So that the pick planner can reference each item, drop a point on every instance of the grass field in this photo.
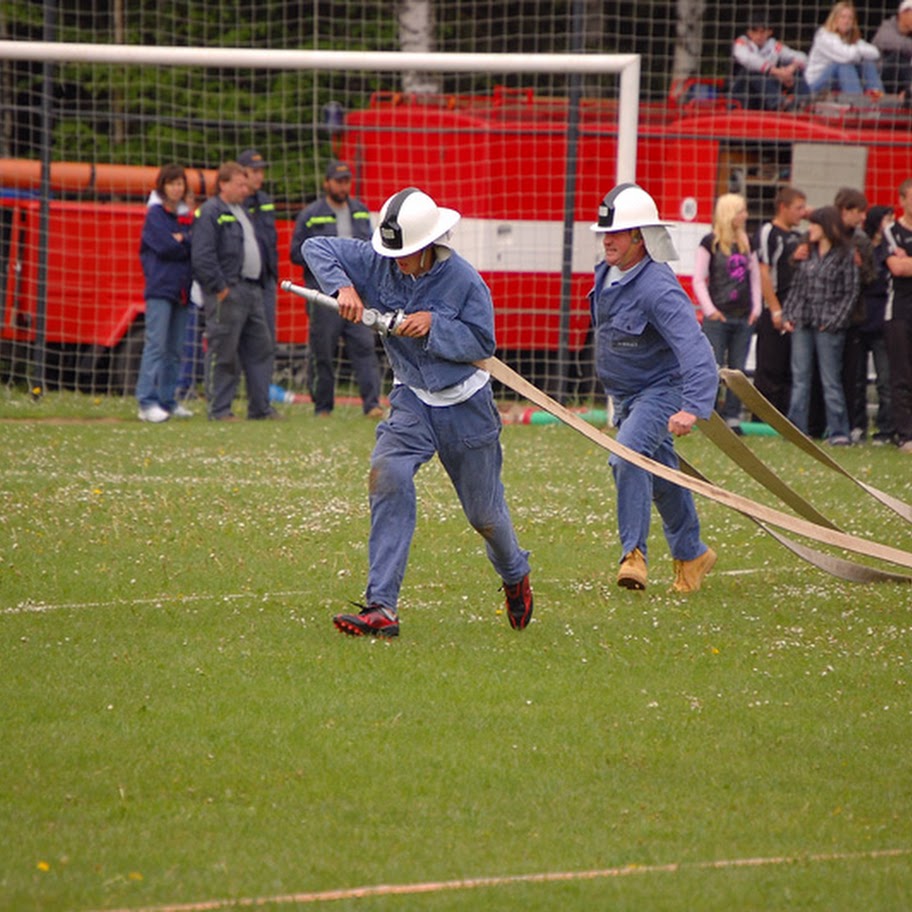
(184, 729)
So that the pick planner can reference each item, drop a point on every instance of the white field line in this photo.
(480, 882)
(44, 608)
(30, 607)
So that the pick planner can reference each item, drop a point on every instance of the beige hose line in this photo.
(812, 530)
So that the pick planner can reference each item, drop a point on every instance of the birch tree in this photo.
(416, 34)
(688, 49)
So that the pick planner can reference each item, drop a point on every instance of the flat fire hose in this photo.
(742, 455)
(820, 530)
(757, 403)
(756, 511)
(734, 447)
(835, 566)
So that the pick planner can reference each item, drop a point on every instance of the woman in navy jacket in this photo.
(165, 255)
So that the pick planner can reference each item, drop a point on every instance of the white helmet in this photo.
(627, 206)
(410, 221)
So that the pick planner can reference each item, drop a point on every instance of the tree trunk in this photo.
(416, 34)
(689, 46)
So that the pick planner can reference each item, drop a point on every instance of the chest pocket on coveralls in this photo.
(627, 331)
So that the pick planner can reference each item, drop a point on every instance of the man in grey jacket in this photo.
(894, 41)
(228, 263)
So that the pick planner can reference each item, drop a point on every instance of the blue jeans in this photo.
(829, 347)
(466, 439)
(191, 372)
(730, 341)
(850, 78)
(642, 422)
(759, 91)
(166, 323)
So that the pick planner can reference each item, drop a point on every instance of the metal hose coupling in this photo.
(384, 324)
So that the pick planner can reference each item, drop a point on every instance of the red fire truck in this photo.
(501, 160)
(94, 306)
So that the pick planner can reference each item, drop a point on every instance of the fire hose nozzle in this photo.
(384, 324)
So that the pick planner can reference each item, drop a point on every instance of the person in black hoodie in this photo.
(165, 255)
(871, 334)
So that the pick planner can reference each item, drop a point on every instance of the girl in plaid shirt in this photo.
(817, 312)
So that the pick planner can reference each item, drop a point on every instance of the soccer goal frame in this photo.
(626, 66)
(577, 65)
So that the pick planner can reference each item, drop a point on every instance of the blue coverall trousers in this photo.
(466, 438)
(642, 422)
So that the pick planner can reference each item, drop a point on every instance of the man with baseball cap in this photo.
(261, 209)
(659, 370)
(894, 41)
(441, 402)
(337, 214)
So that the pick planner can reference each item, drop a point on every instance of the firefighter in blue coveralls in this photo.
(659, 370)
(440, 402)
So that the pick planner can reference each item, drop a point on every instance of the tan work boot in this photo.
(689, 574)
(632, 573)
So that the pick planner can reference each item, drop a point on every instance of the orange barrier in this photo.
(110, 180)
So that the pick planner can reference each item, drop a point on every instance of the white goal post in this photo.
(627, 66)
(525, 164)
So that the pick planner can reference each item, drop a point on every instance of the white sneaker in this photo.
(181, 412)
(154, 413)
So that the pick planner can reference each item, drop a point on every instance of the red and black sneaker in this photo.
(519, 603)
(373, 620)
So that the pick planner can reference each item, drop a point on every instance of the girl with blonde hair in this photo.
(841, 59)
(726, 283)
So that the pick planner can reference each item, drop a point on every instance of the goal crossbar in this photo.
(627, 66)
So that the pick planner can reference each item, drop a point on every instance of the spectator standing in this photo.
(261, 208)
(853, 206)
(164, 252)
(870, 338)
(726, 282)
(192, 372)
(767, 74)
(817, 312)
(841, 59)
(228, 264)
(441, 401)
(777, 241)
(658, 369)
(898, 317)
(337, 214)
(893, 39)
